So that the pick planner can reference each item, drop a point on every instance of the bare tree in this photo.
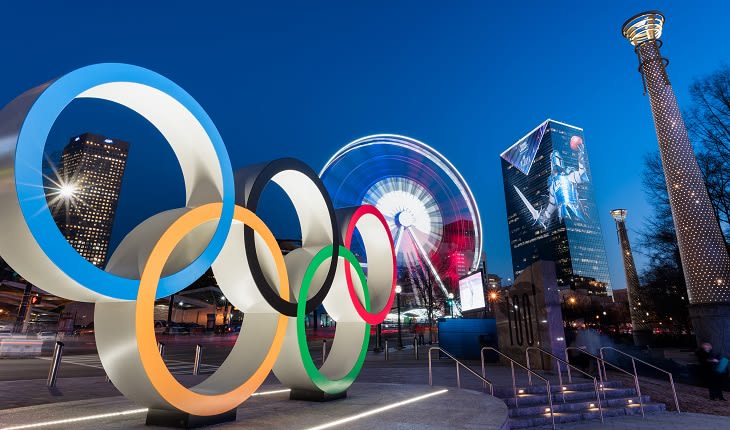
(708, 122)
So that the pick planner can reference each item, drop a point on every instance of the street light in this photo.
(451, 304)
(397, 301)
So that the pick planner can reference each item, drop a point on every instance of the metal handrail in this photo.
(514, 382)
(569, 366)
(600, 362)
(633, 363)
(458, 363)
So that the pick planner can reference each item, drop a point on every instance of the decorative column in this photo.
(641, 328)
(701, 244)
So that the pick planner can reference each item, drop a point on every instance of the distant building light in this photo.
(108, 141)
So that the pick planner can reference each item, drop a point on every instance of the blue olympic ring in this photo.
(30, 188)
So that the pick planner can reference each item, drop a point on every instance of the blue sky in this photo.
(301, 79)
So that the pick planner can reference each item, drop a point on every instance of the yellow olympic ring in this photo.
(162, 380)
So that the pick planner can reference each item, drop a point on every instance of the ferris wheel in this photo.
(431, 212)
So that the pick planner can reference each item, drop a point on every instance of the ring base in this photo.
(315, 395)
(184, 420)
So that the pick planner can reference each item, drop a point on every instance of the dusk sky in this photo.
(302, 79)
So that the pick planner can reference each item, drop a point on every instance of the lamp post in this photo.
(397, 301)
(451, 304)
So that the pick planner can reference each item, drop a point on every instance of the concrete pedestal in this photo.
(315, 395)
(530, 315)
(182, 420)
(711, 323)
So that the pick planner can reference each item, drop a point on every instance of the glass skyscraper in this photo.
(551, 212)
(90, 179)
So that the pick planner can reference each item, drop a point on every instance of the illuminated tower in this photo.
(642, 329)
(701, 245)
(89, 181)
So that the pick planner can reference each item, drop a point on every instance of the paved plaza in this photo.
(382, 384)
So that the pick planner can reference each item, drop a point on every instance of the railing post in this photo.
(458, 377)
(430, 374)
(603, 359)
(674, 392)
(386, 350)
(514, 380)
(550, 401)
(161, 348)
(527, 359)
(55, 364)
(415, 347)
(198, 354)
(324, 350)
(598, 398)
(638, 388)
(484, 368)
(560, 371)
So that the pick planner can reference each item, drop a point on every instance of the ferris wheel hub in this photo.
(405, 219)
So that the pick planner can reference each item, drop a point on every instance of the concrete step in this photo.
(568, 396)
(566, 417)
(538, 387)
(577, 407)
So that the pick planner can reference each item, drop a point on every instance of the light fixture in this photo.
(375, 411)
(398, 289)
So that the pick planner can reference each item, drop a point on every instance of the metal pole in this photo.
(514, 381)
(400, 339)
(55, 364)
(527, 360)
(324, 350)
(430, 311)
(386, 349)
(161, 348)
(430, 373)
(378, 338)
(415, 347)
(638, 389)
(674, 391)
(198, 354)
(458, 377)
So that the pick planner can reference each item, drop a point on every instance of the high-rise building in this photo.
(88, 183)
(702, 247)
(551, 212)
(641, 329)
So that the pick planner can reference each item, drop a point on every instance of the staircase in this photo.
(571, 402)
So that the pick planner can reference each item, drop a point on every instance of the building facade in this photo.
(89, 180)
(551, 212)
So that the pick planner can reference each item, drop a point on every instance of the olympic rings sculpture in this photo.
(217, 228)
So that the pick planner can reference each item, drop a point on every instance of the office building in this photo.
(86, 192)
(551, 212)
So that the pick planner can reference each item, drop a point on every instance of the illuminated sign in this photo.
(471, 292)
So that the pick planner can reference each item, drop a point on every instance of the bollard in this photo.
(386, 349)
(55, 364)
(196, 363)
(415, 347)
(324, 350)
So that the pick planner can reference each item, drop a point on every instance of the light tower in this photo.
(641, 328)
(701, 244)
